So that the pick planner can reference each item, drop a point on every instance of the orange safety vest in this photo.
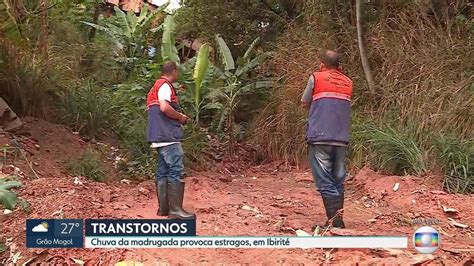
(152, 97)
(332, 83)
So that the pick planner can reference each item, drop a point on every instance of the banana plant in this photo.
(128, 31)
(200, 71)
(196, 75)
(236, 82)
(8, 198)
(169, 52)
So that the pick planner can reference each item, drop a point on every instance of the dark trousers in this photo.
(329, 169)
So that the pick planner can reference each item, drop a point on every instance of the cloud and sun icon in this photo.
(41, 228)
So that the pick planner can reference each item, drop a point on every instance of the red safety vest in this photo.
(152, 97)
(332, 83)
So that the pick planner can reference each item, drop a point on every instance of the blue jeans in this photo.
(170, 163)
(329, 169)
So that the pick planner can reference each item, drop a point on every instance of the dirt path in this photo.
(285, 202)
(281, 201)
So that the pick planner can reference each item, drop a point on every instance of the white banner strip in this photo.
(247, 242)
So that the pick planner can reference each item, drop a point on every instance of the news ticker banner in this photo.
(144, 233)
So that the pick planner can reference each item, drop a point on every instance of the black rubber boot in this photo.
(334, 207)
(175, 199)
(162, 196)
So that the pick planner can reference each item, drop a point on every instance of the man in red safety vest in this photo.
(328, 99)
(164, 133)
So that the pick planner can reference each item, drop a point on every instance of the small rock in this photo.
(77, 181)
(7, 211)
(106, 196)
(396, 186)
(125, 181)
(144, 191)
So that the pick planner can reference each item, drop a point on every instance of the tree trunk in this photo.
(363, 53)
(43, 38)
(95, 20)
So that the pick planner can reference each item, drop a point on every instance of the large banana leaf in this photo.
(7, 198)
(249, 51)
(168, 43)
(143, 14)
(252, 64)
(123, 22)
(202, 65)
(5, 185)
(132, 22)
(226, 55)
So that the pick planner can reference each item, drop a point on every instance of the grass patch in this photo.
(455, 157)
(85, 109)
(389, 149)
(88, 165)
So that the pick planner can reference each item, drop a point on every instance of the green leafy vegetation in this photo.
(8, 198)
(88, 165)
(90, 67)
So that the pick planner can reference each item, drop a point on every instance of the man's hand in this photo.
(183, 119)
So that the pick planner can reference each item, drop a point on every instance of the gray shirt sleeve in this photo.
(308, 91)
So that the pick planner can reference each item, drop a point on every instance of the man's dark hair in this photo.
(330, 59)
(168, 67)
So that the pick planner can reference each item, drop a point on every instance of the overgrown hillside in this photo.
(89, 64)
(421, 115)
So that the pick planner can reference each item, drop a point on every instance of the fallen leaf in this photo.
(438, 192)
(300, 232)
(29, 261)
(447, 209)
(457, 224)
(248, 208)
(421, 258)
(393, 251)
(78, 262)
(125, 181)
(59, 212)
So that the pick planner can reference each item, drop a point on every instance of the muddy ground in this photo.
(281, 202)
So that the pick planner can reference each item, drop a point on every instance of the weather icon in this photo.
(41, 228)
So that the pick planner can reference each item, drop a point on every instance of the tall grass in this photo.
(457, 158)
(394, 150)
(85, 109)
(25, 82)
(424, 73)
